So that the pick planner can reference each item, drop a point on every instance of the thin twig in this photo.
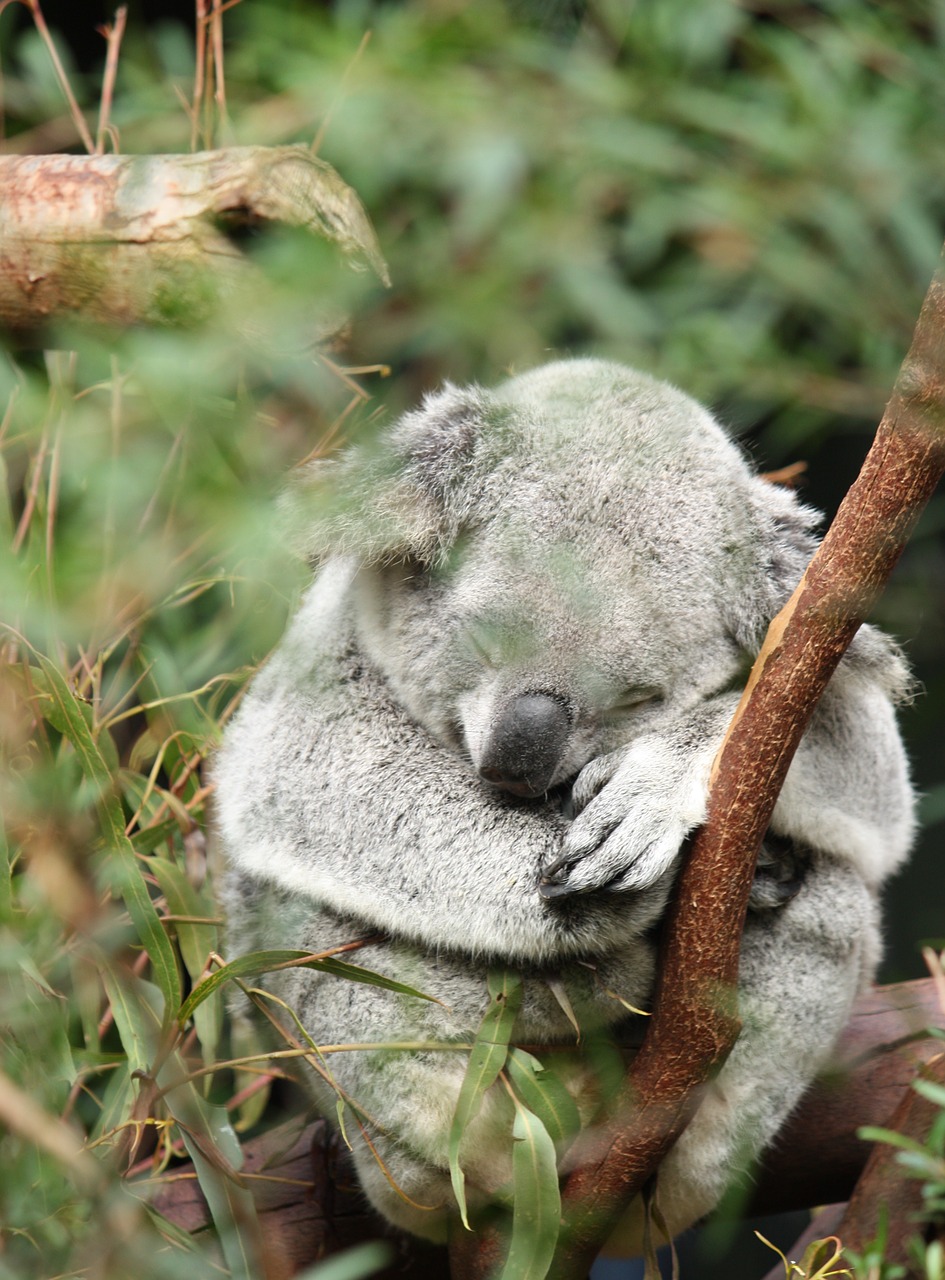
(200, 65)
(219, 80)
(74, 109)
(113, 34)
(339, 96)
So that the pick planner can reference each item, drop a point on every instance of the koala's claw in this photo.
(559, 881)
(556, 885)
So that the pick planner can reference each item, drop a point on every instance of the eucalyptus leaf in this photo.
(543, 1091)
(486, 1059)
(536, 1212)
(354, 1264)
(124, 871)
(266, 961)
(196, 941)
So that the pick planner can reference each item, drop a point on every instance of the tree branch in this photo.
(691, 1031)
(121, 240)
(310, 1206)
(695, 1022)
(884, 1192)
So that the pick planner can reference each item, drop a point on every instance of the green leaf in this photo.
(870, 1134)
(206, 1130)
(268, 961)
(6, 508)
(543, 1091)
(116, 1101)
(354, 1264)
(536, 1213)
(147, 839)
(929, 1089)
(135, 1024)
(231, 1206)
(171, 1232)
(247, 1041)
(486, 1059)
(196, 941)
(60, 712)
(124, 873)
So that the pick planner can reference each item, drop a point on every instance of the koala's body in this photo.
(488, 733)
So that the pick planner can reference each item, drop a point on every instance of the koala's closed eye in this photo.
(501, 642)
(632, 697)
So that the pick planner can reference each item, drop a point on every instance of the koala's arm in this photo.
(328, 789)
(846, 794)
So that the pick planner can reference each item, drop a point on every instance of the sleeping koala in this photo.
(487, 735)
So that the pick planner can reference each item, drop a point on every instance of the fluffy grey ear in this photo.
(787, 527)
(400, 496)
(784, 528)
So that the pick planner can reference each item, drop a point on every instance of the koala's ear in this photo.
(403, 495)
(789, 543)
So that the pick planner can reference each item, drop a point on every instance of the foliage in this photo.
(746, 199)
(821, 1260)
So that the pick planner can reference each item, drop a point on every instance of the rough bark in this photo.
(310, 1206)
(884, 1193)
(690, 1033)
(119, 240)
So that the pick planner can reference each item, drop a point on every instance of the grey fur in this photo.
(580, 557)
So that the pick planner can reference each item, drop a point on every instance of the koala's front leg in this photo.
(636, 806)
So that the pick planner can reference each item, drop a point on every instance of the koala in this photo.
(486, 738)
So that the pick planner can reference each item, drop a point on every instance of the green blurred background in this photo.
(745, 198)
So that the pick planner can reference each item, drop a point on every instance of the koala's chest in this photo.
(453, 990)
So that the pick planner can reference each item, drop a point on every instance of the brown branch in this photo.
(884, 1192)
(694, 1024)
(307, 1193)
(692, 1031)
(123, 240)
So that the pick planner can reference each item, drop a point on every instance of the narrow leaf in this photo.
(196, 942)
(124, 871)
(136, 1027)
(486, 1059)
(116, 1101)
(870, 1134)
(929, 1089)
(536, 1213)
(268, 961)
(543, 1091)
(147, 839)
(354, 1264)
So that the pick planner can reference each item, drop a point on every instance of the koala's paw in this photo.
(635, 807)
(779, 875)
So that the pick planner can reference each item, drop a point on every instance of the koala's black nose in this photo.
(524, 744)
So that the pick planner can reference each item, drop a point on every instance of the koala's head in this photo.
(548, 567)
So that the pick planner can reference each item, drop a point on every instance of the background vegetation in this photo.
(748, 199)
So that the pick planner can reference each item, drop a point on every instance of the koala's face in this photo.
(536, 645)
(578, 553)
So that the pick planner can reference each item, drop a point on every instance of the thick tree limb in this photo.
(884, 1192)
(310, 1206)
(121, 240)
(695, 1022)
(691, 1032)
